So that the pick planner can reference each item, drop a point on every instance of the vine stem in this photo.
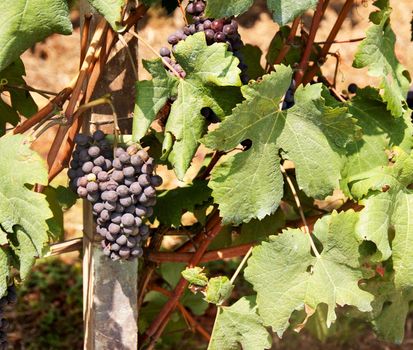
(155, 329)
(182, 12)
(287, 45)
(348, 41)
(330, 40)
(300, 210)
(150, 47)
(185, 313)
(315, 24)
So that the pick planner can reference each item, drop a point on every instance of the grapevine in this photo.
(219, 155)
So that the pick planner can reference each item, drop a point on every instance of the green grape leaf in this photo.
(171, 204)
(218, 290)
(208, 70)
(252, 57)
(7, 115)
(258, 230)
(151, 96)
(239, 326)
(284, 11)
(24, 214)
(287, 277)
(4, 270)
(380, 134)
(377, 53)
(21, 100)
(111, 10)
(195, 275)
(277, 43)
(311, 134)
(26, 22)
(212, 80)
(390, 308)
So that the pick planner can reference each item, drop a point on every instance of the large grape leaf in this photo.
(23, 212)
(171, 204)
(287, 277)
(212, 80)
(377, 53)
(381, 132)
(111, 10)
(284, 11)
(311, 134)
(387, 210)
(151, 96)
(11, 78)
(239, 327)
(23, 23)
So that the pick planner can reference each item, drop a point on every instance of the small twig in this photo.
(215, 158)
(84, 38)
(300, 210)
(241, 265)
(132, 62)
(185, 313)
(330, 39)
(340, 41)
(150, 47)
(287, 45)
(182, 12)
(43, 93)
(315, 23)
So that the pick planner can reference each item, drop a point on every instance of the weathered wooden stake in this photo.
(109, 288)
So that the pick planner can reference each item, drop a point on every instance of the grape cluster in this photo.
(224, 30)
(10, 298)
(289, 96)
(121, 187)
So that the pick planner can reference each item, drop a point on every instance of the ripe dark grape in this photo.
(122, 190)
(352, 88)
(165, 52)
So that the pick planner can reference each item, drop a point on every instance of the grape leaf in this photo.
(239, 327)
(195, 275)
(23, 212)
(284, 11)
(212, 80)
(21, 100)
(380, 134)
(151, 96)
(377, 53)
(26, 22)
(171, 204)
(286, 276)
(218, 290)
(111, 10)
(311, 134)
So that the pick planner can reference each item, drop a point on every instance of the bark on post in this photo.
(109, 288)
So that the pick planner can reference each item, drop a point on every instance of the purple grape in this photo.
(105, 215)
(81, 139)
(149, 192)
(119, 151)
(124, 158)
(143, 155)
(131, 242)
(82, 192)
(136, 252)
(116, 218)
(138, 221)
(199, 6)
(207, 24)
(192, 29)
(98, 135)
(173, 39)
(147, 168)
(124, 252)
(156, 181)
(93, 197)
(119, 208)
(219, 37)
(128, 219)
(100, 161)
(130, 209)
(96, 170)
(87, 167)
(94, 151)
(165, 52)
(126, 201)
(128, 181)
(117, 164)
(144, 180)
(118, 176)
(122, 190)
(113, 228)
(92, 187)
(190, 9)
(209, 34)
(111, 196)
(79, 173)
(200, 27)
(103, 176)
(84, 156)
(136, 160)
(129, 171)
(112, 185)
(140, 210)
(228, 29)
(114, 247)
(217, 25)
(98, 207)
(122, 240)
(151, 202)
(135, 188)
(111, 206)
(127, 230)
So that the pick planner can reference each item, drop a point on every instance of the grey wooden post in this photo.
(109, 288)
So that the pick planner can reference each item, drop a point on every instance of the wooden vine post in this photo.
(109, 288)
